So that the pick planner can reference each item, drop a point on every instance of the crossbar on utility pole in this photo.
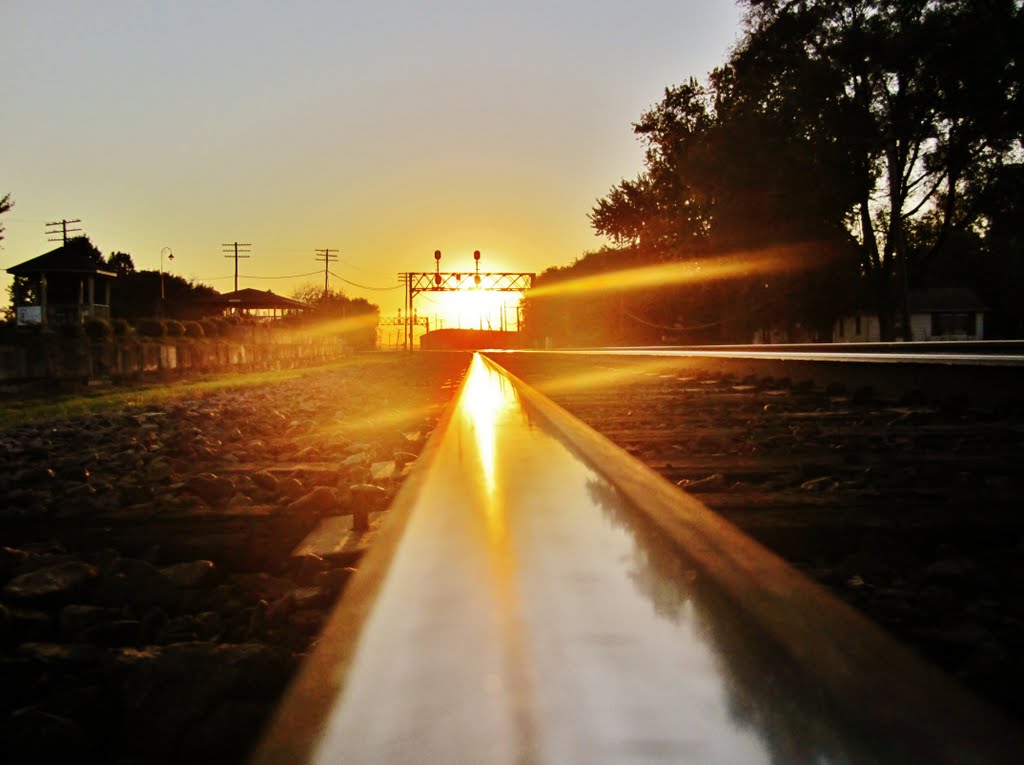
(328, 256)
(237, 247)
(63, 236)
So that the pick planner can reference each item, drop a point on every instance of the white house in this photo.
(936, 313)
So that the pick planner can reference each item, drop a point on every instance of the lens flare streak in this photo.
(681, 272)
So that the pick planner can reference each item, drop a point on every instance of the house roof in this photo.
(250, 298)
(944, 299)
(65, 260)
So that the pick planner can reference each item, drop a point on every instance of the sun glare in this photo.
(470, 309)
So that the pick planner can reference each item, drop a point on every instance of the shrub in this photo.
(151, 328)
(174, 328)
(98, 329)
(121, 327)
(221, 327)
(71, 331)
(194, 329)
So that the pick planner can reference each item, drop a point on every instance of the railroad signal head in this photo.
(437, 254)
(476, 254)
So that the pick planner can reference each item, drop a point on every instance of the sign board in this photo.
(29, 314)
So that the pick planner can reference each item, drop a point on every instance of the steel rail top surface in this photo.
(944, 359)
(538, 596)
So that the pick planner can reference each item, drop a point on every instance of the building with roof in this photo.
(68, 286)
(256, 303)
(936, 313)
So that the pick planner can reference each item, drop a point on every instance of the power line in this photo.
(250, 276)
(363, 286)
(288, 276)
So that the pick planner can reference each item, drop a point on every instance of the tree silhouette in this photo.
(5, 205)
(868, 132)
(355, 319)
(121, 263)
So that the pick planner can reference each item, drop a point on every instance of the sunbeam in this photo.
(718, 268)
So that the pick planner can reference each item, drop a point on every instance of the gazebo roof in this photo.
(64, 260)
(250, 298)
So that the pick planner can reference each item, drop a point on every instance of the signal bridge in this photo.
(455, 281)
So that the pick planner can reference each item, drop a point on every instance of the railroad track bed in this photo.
(152, 606)
(151, 609)
(907, 509)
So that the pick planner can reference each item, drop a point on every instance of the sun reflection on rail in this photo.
(486, 397)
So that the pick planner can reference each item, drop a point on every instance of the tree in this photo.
(987, 257)
(354, 319)
(5, 205)
(918, 97)
(870, 129)
(721, 178)
(136, 294)
(121, 263)
(666, 211)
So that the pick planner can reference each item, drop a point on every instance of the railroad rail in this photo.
(537, 595)
(981, 371)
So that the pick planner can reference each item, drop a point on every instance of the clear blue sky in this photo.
(383, 129)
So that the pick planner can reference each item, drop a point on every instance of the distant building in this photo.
(256, 303)
(70, 287)
(936, 313)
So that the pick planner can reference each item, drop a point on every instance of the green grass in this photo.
(20, 408)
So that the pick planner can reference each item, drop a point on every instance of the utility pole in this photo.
(328, 256)
(237, 254)
(62, 235)
(405, 278)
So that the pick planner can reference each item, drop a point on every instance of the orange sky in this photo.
(384, 130)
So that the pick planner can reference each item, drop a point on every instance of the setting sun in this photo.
(470, 309)
(454, 298)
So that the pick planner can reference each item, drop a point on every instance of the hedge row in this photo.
(101, 329)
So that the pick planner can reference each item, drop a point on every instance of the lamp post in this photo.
(170, 256)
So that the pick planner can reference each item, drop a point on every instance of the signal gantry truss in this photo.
(460, 282)
(456, 281)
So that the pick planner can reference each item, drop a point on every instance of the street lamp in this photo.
(170, 256)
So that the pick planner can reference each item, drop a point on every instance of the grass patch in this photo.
(33, 406)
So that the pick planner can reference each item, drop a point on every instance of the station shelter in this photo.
(68, 287)
(259, 304)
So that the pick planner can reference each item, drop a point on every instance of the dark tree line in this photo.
(354, 319)
(878, 142)
(133, 294)
(136, 295)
